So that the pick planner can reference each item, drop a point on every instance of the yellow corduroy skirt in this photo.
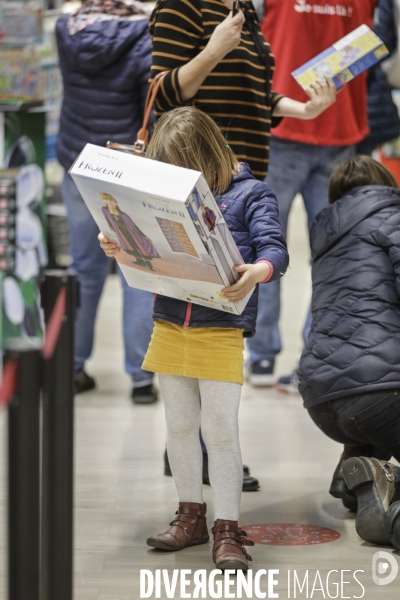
(201, 352)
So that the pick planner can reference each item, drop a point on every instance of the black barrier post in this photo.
(24, 472)
(57, 445)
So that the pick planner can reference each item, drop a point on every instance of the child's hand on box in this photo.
(110, 248)
(250, 276)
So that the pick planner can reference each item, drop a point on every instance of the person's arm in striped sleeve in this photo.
(176, 28)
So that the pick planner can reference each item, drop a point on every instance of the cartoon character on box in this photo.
(132, 240)
(209, 217)
(347, 55)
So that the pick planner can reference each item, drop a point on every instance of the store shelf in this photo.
(21, 106)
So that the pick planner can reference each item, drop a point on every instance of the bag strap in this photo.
(139, 147)
(254, 28)
(143, 134)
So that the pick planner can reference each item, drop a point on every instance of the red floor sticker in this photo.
(290, 534)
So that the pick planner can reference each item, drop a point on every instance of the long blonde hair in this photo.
(187, 137)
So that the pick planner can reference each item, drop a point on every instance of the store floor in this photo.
(122, 497)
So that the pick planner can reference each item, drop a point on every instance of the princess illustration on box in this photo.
(132, 240)
(209, 217)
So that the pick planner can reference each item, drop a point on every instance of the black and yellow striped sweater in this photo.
(235, 93)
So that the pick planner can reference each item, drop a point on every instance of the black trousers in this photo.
(371, 420)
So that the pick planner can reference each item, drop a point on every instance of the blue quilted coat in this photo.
(105, 70)
(250, 210)
(354, 343)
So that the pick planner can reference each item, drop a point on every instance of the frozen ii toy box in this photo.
(350, 56)
(173, 238)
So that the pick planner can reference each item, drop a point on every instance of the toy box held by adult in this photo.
(173, 238)
(350, 56)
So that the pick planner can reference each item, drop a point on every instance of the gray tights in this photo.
(218, 419)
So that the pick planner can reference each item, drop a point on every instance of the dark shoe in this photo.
(289, 384)
(167, 468)
(250, 484)
(373, 481)
(261, 373)
(83, 383)
(229, 550)
(144, 395)
(339, 487)
(392, 524)
(189, 528)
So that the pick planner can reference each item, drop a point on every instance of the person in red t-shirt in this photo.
(303, 154)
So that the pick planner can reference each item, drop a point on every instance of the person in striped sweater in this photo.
(223, 65)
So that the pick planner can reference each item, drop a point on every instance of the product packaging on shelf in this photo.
(20, 73)
(21, 22)
(7, 219)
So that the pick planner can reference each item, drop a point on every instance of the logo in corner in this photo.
(381, 561)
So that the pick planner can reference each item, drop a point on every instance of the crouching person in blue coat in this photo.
(350, 368)
(198, 350)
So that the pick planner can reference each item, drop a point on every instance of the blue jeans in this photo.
(92, 267)
(293, 168)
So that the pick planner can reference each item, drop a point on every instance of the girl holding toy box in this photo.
(198, 351)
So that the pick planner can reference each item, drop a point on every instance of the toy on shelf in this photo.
(21, 22)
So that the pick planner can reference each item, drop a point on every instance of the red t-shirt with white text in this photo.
(298, 30)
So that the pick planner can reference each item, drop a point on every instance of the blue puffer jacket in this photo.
(250, 210)
(105, 69)
(354, 343)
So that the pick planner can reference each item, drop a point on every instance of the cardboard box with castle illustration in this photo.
(173, 238)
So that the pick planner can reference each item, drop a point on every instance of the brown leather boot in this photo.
(229, 546)
(189, 528)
